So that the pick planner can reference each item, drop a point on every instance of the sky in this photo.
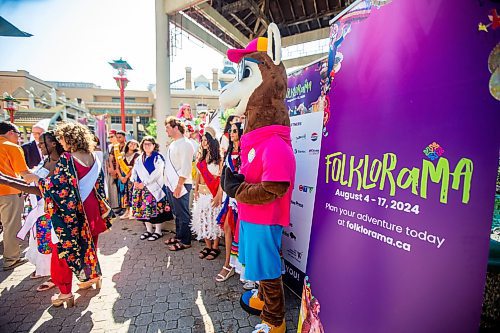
(73, 40)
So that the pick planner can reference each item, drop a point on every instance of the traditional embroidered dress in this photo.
(150, 204)
(204, 222)
(124, 170)
(129, 186)
(76, 224)
(229, 214)
(38, 227)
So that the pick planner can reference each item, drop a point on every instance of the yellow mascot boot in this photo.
(251, 303)
(266, 327)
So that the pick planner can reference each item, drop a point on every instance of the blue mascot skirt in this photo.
(259, 250)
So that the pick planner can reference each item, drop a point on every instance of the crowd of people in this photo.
(70, 192)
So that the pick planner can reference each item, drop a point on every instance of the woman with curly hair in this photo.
(149, 201)
(78, 210)
(208, 195)
(36, 224)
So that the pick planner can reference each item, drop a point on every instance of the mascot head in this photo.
(259, 89)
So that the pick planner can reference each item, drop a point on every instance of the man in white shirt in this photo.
(179, 182)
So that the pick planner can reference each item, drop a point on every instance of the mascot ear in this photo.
(274, 43)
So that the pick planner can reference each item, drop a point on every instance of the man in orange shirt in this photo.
(11, 202)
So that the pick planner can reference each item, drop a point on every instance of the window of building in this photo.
(127, 99)
(118, 120)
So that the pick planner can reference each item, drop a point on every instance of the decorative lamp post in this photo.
(121, 81)
(10, 105)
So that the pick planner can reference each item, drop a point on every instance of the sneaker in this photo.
(16, 263)
(249, 285)
(268, 328)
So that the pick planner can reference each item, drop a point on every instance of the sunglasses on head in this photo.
(243, 69)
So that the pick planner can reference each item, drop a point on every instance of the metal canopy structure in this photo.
(236, 22)
(250, 18)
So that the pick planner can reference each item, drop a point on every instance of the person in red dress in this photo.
(81, 217)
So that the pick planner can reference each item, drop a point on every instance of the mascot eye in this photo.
(247, 72)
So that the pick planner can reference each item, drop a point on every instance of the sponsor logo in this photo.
(313, 151)
(293, 273)
(300, 137)
(297, 123)
(298, 151)
(251, 155)
(314, 136)
(289, 234)
(296, 203)
(306, 189)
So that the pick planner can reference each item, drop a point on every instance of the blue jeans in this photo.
(182, 214)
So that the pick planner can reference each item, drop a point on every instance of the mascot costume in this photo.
(263, 188)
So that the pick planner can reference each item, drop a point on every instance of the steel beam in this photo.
(302, 61)
(304, 37)
(220, 21)
(174, 6)
(195, 30)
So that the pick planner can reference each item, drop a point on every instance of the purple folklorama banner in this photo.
(406, 180)
(306, 101)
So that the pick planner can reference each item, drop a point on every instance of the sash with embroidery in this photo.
(212, 181)
(120, 161)
(64, 207)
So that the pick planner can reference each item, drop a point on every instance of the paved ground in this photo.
(146, 288)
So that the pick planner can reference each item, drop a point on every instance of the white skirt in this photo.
(41, 261)
(204, 223)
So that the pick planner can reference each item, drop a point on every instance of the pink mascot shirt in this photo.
(266, 155)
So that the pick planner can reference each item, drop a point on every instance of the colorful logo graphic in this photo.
(314, 136)
(433, 151)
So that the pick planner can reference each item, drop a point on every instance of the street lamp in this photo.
(10, 104)
(121, 81)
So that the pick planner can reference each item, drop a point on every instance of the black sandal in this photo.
(172, 241)
(145, 235)
(214, 253)
(178, 246)
(203, 253)
(154, 236)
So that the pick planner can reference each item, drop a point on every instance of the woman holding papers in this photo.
(149, 201)
(76, 205)
(36, 225)
(208, 196)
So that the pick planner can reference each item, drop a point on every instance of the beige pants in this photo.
(11, 208)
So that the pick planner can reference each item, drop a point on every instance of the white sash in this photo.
(155, 187)
(87, 183)
(171, 176)
(38, 206)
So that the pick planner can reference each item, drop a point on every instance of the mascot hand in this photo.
(223, 178)
(232, 182)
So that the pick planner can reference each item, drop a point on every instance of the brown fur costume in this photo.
(266, 107)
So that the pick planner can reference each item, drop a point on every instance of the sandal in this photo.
(154, 236)
(205, 252)
(214, 253)
(33, 276)
(46, 285)
(222, 278)
(178, 247)
(145, 235)
(172, 241)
